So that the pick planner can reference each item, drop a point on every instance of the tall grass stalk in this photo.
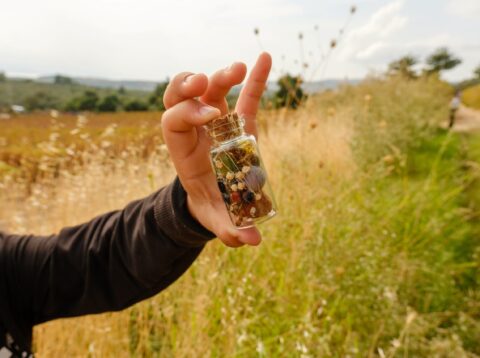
(364, 258)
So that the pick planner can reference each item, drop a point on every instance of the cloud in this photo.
(132, 39)
(371, 50)
(465, 8)
(370, 39)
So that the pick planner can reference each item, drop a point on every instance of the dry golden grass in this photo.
(357, 263)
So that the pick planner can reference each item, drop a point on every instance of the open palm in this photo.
(191, 101)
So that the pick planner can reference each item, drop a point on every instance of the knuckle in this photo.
(165, 119)
(227, 239)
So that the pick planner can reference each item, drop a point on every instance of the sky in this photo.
(155, 39)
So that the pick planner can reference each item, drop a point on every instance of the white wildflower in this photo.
(260, 348)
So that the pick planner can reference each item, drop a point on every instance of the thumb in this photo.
(179, 122)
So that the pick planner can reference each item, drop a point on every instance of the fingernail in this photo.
(228, 68)
(206, 111)
(188, 78)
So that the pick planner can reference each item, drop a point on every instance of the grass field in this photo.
(471, 96)
(375, 252)
(19, 92)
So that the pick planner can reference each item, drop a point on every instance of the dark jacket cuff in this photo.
(174, 219)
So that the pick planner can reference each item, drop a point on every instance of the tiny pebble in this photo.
(258, 196)
(245, 169)
(221, 186)
(234, 187)
(218, 164)
(241, 186)
(235, 197)
(226, 198)
(253, 210)
(230, 176)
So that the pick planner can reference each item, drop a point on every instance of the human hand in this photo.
(189, 144)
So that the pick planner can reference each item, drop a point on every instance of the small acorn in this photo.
(264, 205)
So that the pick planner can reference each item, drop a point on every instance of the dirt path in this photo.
(467, 120)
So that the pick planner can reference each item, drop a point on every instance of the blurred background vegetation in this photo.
(376, 249)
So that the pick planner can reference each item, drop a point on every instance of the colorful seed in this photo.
(241, 186)
(221, 186)
(226, 198)
(239, 175)
(245, 169)
(234, 187)
(235, 197)
(230, 176)
(248, 196)
(218, 164)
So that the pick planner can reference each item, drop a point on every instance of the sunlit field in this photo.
(375, 251)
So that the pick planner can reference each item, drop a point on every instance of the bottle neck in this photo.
(226, 128)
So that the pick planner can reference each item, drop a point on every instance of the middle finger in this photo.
(220, 84)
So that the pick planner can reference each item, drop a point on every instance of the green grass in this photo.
(471, 96)
(374, 252)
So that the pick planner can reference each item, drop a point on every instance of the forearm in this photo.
(111, 262)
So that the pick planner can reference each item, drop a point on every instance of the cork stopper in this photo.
(226, 127)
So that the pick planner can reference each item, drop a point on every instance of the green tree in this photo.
(156, 98)
(62, 80)
(3, 77)
(110, 103)
(442, 59)
(290, 93)
(136, 106)
(40, 100)
(476, 72)
(87, 102)
(403, 67)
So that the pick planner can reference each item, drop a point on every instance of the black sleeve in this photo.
(107, 264)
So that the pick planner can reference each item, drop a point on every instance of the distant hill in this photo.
(134, 85)
(16, 91)
(28, 92)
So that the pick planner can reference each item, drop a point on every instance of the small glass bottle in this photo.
(241, 176)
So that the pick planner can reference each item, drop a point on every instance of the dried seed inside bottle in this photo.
(242, 178)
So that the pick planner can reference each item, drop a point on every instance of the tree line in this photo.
(291, 94)
(90, 100)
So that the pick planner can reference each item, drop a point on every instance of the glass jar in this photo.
(241, 176)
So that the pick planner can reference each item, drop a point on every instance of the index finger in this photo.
(247, 104)
(184, 86)
(220, 84)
